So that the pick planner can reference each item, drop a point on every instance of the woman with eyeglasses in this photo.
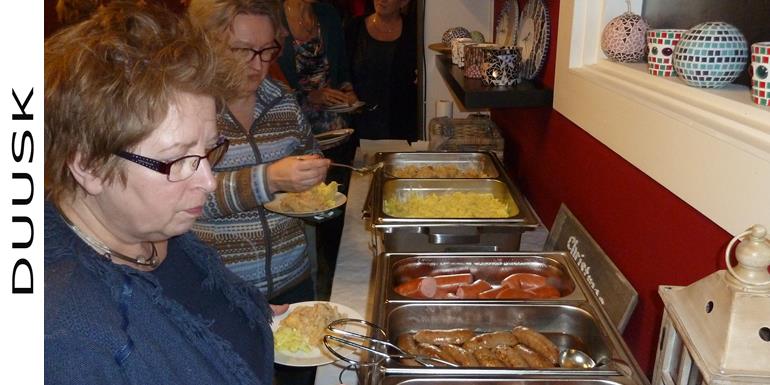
(271, 149)
(131, 295)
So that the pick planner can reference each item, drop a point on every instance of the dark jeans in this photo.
(289, 375)
(328, 233)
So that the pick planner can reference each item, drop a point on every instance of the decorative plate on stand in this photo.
(507, 24)
(533, 35)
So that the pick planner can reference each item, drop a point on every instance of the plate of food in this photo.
(298, 333)
(344, 107)
(330, 138)
(316, 201)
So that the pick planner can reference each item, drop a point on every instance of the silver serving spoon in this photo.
(575, 359)
(362, 170)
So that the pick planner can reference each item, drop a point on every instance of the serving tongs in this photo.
(360, 341)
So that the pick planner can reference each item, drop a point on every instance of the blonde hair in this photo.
(216, 16)
(110, 81)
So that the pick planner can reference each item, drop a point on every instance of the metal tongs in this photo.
(356, 340)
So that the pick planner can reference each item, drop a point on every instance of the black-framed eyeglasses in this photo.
(179, 169)
(266, 55)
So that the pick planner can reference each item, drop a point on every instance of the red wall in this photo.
(652, 236)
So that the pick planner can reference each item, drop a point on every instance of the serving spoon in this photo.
(363, 170)
(575, 359)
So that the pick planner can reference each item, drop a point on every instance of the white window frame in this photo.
(711, 148)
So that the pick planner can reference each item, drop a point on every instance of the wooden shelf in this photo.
(475, 95)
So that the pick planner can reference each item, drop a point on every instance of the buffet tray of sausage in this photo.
(546, 328)
(446, 201)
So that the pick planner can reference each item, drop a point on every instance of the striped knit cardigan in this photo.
(266, 249)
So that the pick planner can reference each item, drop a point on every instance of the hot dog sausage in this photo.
(491, 293)
(524, 281)
(461, 356)
(453, 279)
(545, 292)
(472, 290)
(534, 359)
(537, 342)
(490, 340)
(487, 358)
(429, 350)
(443, 337)
(512, 293)
(510, 356)
(423, 287)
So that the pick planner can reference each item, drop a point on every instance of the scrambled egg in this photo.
(318, 198)
(304, 328)
(451, 205)
(441, 171)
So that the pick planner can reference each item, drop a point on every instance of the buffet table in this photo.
(355, 261)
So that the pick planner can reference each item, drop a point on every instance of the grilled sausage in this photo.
(487, 358)
(423, 287)
(434, 351)
(461, 356)
(406, 342)
(533, 358)
(510, 356)
(490, 340)
(443, 337)
(472, 290)
(537, 342)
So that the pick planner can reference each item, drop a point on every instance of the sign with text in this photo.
(610, 286)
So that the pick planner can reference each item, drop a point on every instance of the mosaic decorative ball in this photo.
(711, 55)
(624, 38)
(454, 33)
(760, 73)
(477, 37)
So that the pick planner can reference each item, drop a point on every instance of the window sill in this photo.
(709, 147)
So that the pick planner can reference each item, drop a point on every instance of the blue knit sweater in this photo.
(110, 324)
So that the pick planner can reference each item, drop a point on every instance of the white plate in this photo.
(507, 24)
(345, 107)
(275, 206)
(329, 138)
(315, 356)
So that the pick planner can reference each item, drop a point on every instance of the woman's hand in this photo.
(279, 309)
(328, 97)
(297, 173)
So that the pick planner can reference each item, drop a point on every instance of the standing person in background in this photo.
(271, 150)
(382, 48)
(314, 63)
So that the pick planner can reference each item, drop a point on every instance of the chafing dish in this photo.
(447, 234)
(469, 161)
(568, 326)
(409, 380)
(491, 267)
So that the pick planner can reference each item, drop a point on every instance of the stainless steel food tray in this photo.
(492, 267)
(568, 326)
(434, 380)
(448, 234)
(480, 161)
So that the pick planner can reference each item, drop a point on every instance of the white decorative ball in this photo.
(624, 38)
(711, 55)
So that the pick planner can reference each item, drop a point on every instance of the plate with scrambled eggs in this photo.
(298, 333)
(317, 200)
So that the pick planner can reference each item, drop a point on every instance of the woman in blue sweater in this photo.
(131, 296)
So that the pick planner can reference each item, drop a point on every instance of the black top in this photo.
(384, 75)
(182, 281)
